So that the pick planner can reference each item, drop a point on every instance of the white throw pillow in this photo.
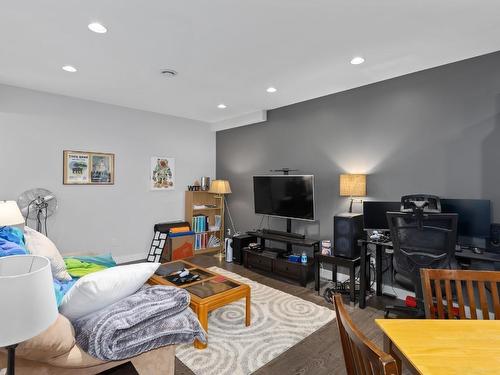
(38, 244)
(100, 289)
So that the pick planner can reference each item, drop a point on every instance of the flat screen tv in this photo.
(288, 196)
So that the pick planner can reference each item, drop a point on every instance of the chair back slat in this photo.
(496, 302)
(439, 298)
(483, 301)
(427, 294)
(361, 356)
(481, 292)
(472, 299)
(449, 298)
(460, 299)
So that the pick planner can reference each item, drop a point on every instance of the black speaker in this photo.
(347, 230)
(239, 242)
(495, 235)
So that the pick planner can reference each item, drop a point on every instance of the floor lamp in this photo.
(27, 292)
(222, 188)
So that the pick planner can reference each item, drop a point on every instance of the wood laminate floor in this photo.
(319, 353)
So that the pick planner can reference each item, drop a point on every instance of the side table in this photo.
(336, 261)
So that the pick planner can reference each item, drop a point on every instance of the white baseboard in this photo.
(120, 259)
(398, 292)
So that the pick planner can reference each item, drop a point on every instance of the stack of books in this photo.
(199, 223)
(201, 241)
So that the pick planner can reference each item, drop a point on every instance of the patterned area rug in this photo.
(279, 321)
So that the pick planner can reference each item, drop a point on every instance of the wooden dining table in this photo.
(444, 347)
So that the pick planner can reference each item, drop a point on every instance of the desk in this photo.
(444, 347)
(464, 255)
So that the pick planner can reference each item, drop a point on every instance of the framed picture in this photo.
(102, 168)
(88, 168)
(162, 173)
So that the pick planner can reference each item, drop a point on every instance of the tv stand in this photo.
(284, 234)
(278, 263)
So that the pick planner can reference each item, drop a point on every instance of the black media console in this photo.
(275, 260)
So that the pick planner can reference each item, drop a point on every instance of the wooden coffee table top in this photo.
(210, 287)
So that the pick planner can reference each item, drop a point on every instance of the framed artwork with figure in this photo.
(162, 173)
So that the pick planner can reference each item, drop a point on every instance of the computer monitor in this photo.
(374, 214)
(474, 216)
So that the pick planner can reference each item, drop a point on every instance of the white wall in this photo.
(36, 127)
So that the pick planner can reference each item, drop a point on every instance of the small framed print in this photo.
(76, 167)
(102, 168)
(162, 173)
(88, 168)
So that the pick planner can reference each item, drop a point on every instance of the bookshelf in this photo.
(199, 198)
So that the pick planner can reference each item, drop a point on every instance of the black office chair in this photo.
(420, 240)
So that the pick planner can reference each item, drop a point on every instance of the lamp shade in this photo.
(352, 185)
(10, 214)
(28, 304)
(220, 187)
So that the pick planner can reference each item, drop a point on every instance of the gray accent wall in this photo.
(36, 127)
(435, 131)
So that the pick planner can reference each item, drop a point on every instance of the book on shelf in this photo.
(213, 241)
(217, 221)
(200, 223)
(205, 241)
(203, 206)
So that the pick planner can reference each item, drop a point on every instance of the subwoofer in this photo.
(495, 235)
(239, 242)
(347, 230)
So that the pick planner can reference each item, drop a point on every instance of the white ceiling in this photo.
(230, 51)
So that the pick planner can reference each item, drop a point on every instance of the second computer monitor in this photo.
(474, 216)
(374, 214)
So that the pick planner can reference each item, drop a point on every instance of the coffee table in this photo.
(208, 293)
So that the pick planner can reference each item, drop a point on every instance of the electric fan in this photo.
(37, 204)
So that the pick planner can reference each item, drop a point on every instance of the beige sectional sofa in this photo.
(54, 352)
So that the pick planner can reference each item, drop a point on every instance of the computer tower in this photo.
(239, 242)
(347, 230)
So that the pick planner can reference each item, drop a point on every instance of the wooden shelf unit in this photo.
(205, 197)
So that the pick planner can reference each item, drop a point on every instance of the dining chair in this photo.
(460, 288)
(361, 356)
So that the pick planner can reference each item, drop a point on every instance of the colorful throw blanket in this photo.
(61, 287)
(13, 234)
(11, 242)
(153, 317)
(78, 266)
(10, 248)
(102, 259)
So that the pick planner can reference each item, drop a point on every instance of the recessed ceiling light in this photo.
(271, 89)
(96, 27)
(69, 68)
(222, 106)
(357, 60)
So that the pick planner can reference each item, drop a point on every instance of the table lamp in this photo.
(222, 187)
(28, 301)
(10, 214)
(352, 185)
